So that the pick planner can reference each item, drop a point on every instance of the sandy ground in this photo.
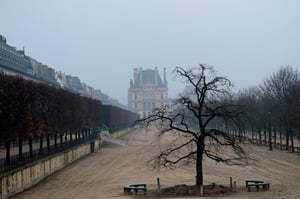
(102, 175)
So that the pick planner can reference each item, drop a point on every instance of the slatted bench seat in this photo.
(264, 185)
(135, 187)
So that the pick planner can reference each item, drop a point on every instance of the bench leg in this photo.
(257, 187)
(266, 187)
(127, 191)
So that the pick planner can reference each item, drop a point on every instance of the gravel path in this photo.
(102, 175)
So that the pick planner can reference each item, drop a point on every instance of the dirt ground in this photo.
(123, 160)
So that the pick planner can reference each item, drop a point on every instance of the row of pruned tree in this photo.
(272, 109)
(29, 109)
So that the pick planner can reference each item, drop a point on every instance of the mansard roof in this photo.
(148, 77)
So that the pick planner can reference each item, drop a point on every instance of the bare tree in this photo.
(280, 89)
(257, 107)
(194, 121)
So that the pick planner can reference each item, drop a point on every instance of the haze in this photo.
(102, 41)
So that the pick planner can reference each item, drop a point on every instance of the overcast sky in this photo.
(102, 41)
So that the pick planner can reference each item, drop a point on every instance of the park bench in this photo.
(135, 188)
(264, 185)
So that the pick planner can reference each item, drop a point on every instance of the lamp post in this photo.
(270, 132)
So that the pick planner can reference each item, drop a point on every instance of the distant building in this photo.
(15, 62)
(88, 89)
(147, 91)
(42, 70)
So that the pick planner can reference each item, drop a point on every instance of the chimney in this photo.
(135, 75)
(156, 76)
(141, 76)
(165, 77)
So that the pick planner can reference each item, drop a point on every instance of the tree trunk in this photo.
(239, 135)
(292, 139)
(20, 148)
(257, 137)
(270, 136)
(48, 143)
(61, 140)
(265, 136)
(7, 147)
(85, 133)
(275, 136)
(280, 136)
(287, 139)
(71, 137)
(199, 165)
(55, 141)
(41, 144)
(30, 147)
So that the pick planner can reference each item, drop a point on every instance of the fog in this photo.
(102, 41)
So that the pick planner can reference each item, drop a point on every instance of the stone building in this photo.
(147, 91)
(13, 61)
(41, 69)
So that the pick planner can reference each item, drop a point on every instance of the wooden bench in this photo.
(264, 185)
(135, 188)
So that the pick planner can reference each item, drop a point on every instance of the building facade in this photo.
(16, 62)
(12, 60)
(147, 91)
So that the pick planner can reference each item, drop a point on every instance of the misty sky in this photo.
(102, 41)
